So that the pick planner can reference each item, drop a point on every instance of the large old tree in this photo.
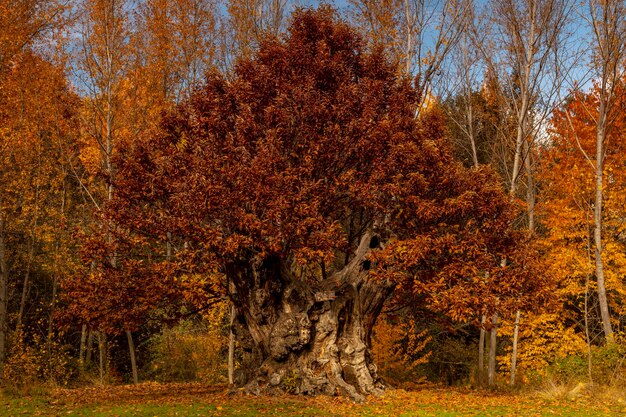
(306, 180)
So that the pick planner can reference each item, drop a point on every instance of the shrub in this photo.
(608, 365)
(23, 365)
(194, 350)
(399, 347)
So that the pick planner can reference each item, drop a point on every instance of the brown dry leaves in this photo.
(424, 400)
(144, 393)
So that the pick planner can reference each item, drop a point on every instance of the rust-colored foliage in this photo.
(303, 179)
(114, 298)
(311, 136)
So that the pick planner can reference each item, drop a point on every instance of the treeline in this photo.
(532, 88)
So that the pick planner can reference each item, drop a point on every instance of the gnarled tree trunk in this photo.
(309, 338)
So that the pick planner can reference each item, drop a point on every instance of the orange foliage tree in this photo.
(37, 121)
(568, 183)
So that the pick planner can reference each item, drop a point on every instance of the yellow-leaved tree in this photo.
(568, 186)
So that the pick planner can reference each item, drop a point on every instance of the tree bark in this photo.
(481, 352)
(530, 202)
(597, 220)
(26, 283)
(607, 21)
(53, 303)
(587, 335)
(492, 351)
(89, 351)
(29, 263)
(82, 353)
(514, 353)
(4, 281)
(308, 339)
(133, 359)
(231, 347)
(530, 189)
(102, 354)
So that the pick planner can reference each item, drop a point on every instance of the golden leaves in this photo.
(399, 347)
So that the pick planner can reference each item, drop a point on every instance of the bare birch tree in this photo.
(526, 45)
(607, 19)
(246, 24)
(420, 33)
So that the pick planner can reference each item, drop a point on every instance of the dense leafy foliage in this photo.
(159, 158)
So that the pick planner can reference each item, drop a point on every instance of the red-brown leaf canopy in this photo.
(311, 142)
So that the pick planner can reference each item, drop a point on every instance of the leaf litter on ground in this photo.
(196, 399)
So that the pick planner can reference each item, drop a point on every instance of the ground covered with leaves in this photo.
(153, 399)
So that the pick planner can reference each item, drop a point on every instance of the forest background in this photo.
(514, 83)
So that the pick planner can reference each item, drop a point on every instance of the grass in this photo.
(186, 400)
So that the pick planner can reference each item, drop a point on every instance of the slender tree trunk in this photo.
(530, 189)
(53, 303)
(586, 304)
(481, 352)
(597, 220)
(530, 202)
(89, 350)
(133, 359)
(4, 281)
(102, 354)
(469, 114)
(82, 353)
(26, 283)
(472, 139)
(231, 347)
(55, 285)
(587, 335)
(521, 145)
(409, 37)
(29, 262)
(514, 354)
(491, 372)
(520, 139)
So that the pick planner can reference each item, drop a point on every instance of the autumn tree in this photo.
(247, 23)
(35, 115)
(608, 23)
(529, 34)
(569, 210)
(474, 120)
(307, 181)
(133, 60)
(524, 52)
(419, 35)
(103, 59)
(173, 45)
